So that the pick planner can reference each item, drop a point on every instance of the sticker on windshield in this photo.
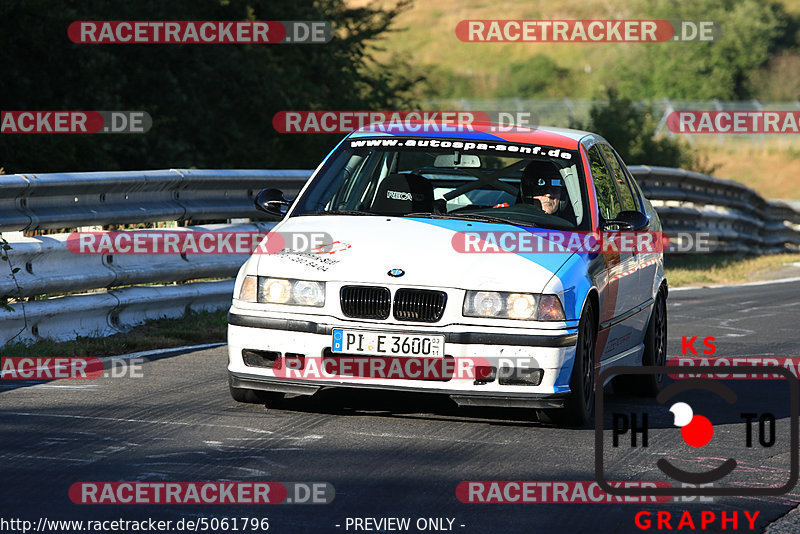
(506, 148)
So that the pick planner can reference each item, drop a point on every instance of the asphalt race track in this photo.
(387, 455)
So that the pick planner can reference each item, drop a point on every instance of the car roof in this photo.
(545, 135)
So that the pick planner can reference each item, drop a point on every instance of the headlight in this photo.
(282, 291)
(483, 304)
(274, 290)
(522, 306)
(309, 293)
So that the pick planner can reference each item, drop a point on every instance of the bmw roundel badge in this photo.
(396, 272)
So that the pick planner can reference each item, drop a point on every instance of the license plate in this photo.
(386, 344)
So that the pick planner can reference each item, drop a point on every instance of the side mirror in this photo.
(627, 221)
(273, 202)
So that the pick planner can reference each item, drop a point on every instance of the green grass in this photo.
(708, 269)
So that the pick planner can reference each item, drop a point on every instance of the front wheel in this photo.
(579, 405)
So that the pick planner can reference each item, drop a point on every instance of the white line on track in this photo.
(748, 284)
(156, 352)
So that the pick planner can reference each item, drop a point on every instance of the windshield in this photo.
(527, 185)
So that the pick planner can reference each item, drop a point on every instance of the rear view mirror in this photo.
(628, 220)
(273, 202)
(457, 161)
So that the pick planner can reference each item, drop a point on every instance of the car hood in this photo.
(364, 249)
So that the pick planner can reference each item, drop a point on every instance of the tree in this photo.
(630, 128)
(212, 105)
(750, 32)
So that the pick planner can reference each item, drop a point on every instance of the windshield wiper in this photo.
(462, 216)
(338, 212)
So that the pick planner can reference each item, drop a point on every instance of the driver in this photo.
(541, 184)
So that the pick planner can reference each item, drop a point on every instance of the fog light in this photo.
(520, 376)
(259, 358)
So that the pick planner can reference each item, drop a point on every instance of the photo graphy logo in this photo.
(681, 433)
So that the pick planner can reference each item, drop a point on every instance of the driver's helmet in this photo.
(538, 178)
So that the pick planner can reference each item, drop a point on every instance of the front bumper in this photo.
(552, 351)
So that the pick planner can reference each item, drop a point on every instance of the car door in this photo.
(649, 256)
(620, 281)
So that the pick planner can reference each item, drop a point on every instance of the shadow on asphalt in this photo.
(758, 396)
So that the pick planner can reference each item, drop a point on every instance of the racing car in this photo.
(455, 262)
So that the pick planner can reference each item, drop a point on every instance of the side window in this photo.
(637, 190)
(618, 176)
(606, 195)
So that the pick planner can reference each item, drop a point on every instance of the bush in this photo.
(535, 77)
(751, 31)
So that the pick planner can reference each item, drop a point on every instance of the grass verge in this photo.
(210, 327)
(708, 269)
(193, 329)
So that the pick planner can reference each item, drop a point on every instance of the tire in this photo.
(253, 396)
(579, 405)
(655, 347)
(655, 353)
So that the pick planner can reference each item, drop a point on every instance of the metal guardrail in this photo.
(31, 202)
(735, 216)
(732, 215)
(109, 312)
(47, 265)
(69, 200)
